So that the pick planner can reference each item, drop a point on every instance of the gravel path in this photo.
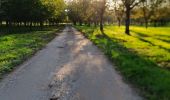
(69, 68)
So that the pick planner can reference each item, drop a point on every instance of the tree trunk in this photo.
(8, 23)
(80, 23)
(127, 31)
(119, 22)
(74, 22)
(24, 23)
(155, 23)
(146, 23)
(41, 25)
(101, 24)
(89, 24)
(30, 25)
(0, 23)
(145, 16)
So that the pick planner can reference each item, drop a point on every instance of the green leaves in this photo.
(31, 10)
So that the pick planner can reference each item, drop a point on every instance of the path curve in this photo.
(71, 68)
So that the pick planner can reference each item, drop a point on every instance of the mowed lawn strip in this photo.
(17, 47)
(143, 58)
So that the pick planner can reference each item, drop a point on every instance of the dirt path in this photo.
(78, 69)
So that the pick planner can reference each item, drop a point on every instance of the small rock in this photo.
(56, 98)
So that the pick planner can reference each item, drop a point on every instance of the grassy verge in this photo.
(18, 46)
(138, 57)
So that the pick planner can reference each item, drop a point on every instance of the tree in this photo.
(87, 11)
(129, 5)
(55, 10)
(149, 8)
(102, 9)
(31, 12)
(73, 11)
(119, 11)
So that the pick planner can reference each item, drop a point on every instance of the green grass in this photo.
(142, 58)
(152, 43)
(19, 46)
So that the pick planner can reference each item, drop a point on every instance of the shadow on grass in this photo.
(163, 36)
(152, 81)
(144, 73)
(140, 34)
(142, 38)
(164, 40)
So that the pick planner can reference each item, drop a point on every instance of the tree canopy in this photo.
(31, 11)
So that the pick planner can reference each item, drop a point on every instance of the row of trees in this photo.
(31, 12)
(87, 11)
(156, 12)
(97, 12)
(124, 11)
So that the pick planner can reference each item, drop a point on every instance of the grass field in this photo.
(143, 58)
(19, 46)
(152, 43)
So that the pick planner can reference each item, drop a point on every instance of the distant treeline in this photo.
(31, 12)
(127, 12)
